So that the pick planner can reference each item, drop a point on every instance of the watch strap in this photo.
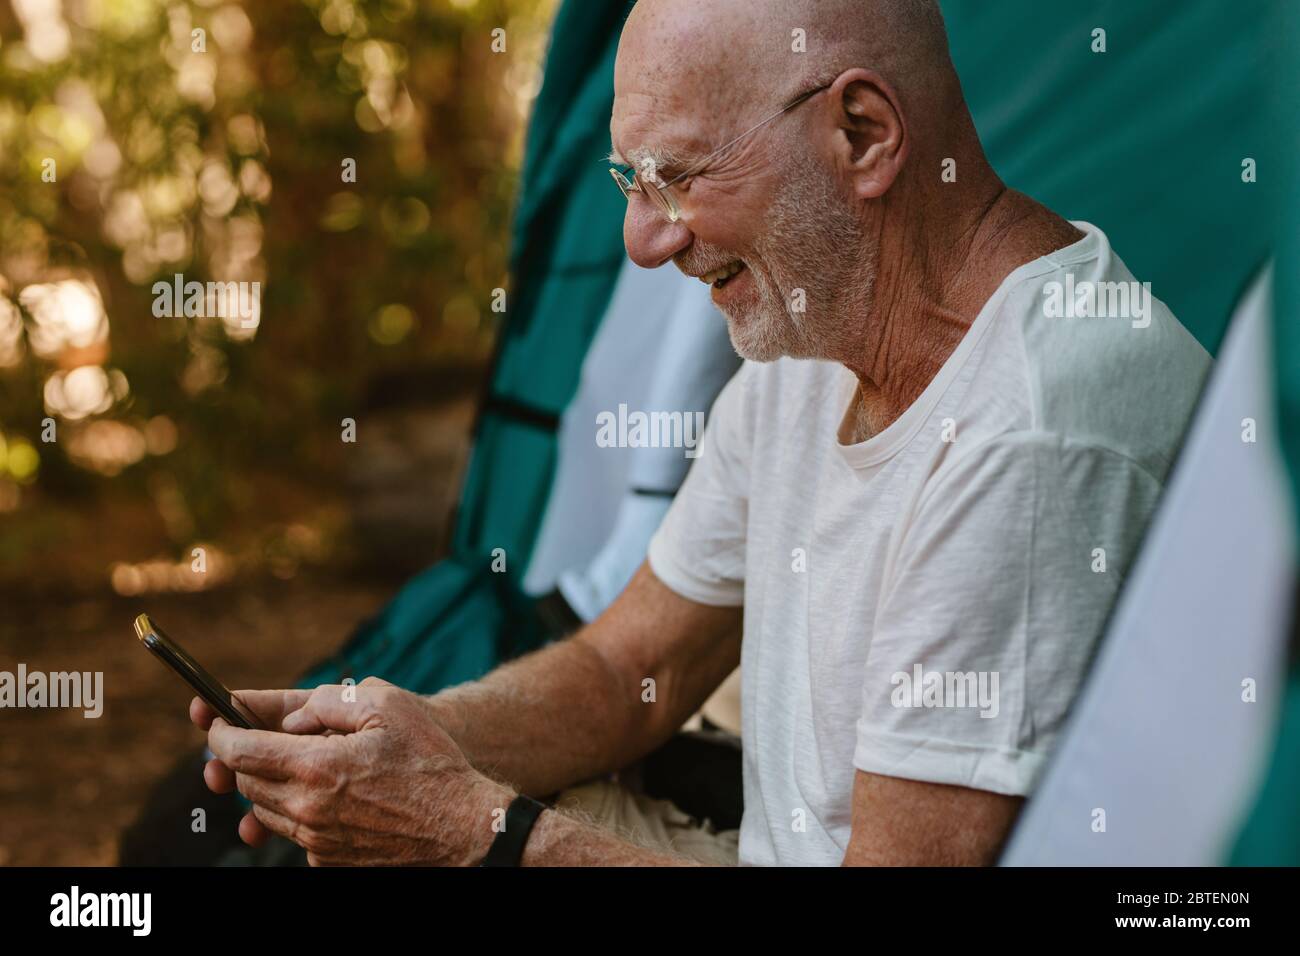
(508, 847)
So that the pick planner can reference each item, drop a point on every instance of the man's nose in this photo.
(650, 238)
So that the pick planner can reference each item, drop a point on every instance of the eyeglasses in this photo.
(661, 194)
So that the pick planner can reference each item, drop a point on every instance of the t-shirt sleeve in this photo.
(699, 549)
(993, 603)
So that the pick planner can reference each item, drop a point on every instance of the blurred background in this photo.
(143, 138)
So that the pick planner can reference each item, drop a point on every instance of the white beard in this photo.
(812, 243)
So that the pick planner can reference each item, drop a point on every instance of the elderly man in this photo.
(918, 497)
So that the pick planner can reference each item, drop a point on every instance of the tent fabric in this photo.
(566, 255)
(1271, 833)
(1146, 139)
(1285, 121)
(461, 617)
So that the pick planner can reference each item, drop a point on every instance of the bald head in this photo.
(733, 58)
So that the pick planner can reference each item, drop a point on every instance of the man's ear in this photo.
(871, 139)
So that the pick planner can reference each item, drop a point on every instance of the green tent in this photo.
(1146, 139)
(1271, 836)
(459, 618)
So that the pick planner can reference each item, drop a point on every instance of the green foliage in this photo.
(209, 139)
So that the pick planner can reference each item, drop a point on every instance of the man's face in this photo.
(765, 222)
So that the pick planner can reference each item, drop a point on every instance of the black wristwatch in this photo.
(508, 847)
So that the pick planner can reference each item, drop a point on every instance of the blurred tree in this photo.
(355, 159)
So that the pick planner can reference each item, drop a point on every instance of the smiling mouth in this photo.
(721, 276)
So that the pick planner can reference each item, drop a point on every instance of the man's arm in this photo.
(896, 822)
(577, 709)
(900, 822)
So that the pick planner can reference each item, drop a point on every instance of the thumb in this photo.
(331, 707)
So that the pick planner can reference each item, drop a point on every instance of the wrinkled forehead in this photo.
(662, 131)
(675, 92)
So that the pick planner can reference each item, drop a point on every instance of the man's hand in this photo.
(388, 786)
(271, 707)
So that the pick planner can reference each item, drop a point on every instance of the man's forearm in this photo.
(545, 721)
(599, 700)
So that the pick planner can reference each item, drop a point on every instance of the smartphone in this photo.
(205, 685)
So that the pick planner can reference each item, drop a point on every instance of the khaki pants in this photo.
(657, 824)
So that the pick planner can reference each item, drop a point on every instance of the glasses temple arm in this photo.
(701, 163)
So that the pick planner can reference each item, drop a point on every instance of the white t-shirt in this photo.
(977, 542)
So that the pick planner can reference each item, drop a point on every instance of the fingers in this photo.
(264, 820)
(252, 831)
(201, 714)
(218, 777)
(269, 794)
(271, 706)
(268, 820)
(339, 707)
(265, 753)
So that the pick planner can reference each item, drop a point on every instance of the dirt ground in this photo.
(69, 784)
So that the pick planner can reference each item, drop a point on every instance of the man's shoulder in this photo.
(1106, 361)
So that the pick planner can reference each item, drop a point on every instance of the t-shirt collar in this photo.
(883, 445)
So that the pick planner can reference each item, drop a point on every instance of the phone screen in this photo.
(205, 685)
